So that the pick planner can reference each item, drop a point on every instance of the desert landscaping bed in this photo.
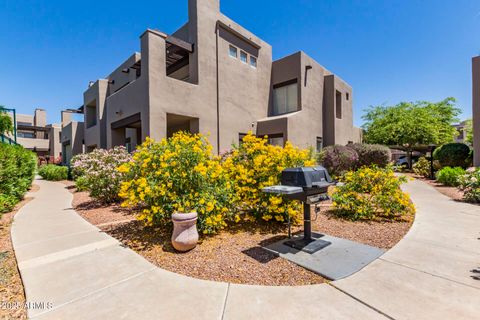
(235, 255)
(11, 287)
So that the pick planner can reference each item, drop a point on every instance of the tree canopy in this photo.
(411, 123)
(6, 124)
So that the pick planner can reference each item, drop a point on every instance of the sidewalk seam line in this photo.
(430, 274)
(225, 302)
(362, 302)
(59, 237)
(95, 291)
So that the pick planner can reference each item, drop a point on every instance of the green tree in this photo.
(6, 124)
(469, 131)
(411, 124)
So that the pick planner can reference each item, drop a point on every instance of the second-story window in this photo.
(253, 61)
(285, 97)
(243, 57)
(232, 51)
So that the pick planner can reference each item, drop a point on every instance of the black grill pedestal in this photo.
(307, 243)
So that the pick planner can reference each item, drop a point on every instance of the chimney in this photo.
(40, 118)
(66, 118)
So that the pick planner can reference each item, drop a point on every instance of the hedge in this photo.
(53, 172)
(371, 154)
(452, 155)
(17, 170)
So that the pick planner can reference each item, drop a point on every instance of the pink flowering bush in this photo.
(97, 172)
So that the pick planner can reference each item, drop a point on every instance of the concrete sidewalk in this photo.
(85, 274)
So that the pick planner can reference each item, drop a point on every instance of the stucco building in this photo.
(35, 134)
(213, 76)
(72, 137)
(476, 109)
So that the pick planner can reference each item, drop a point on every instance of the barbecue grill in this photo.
(310, 186)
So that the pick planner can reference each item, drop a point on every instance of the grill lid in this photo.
(306, 177)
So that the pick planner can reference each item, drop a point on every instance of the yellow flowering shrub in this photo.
(255, 164)
(372, 193)
(178, 174)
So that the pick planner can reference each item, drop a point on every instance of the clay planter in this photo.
(185, 234)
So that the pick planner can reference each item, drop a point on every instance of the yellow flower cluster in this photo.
(178, 174)
(255, 164)
(372, 193)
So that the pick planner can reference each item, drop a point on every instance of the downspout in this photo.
(218, 90)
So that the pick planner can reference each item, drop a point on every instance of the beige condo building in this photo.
(214, 76)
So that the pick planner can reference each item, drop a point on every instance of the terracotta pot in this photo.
(185, 234)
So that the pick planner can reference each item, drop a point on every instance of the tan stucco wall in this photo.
(72, 141)
(55, 144)
(339, 130)
(225, 108)
(97, 94)
(476, 109)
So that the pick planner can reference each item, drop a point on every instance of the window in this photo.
(243, 57)
(276, 140)
(347, 96)
(232, 52)
(22, 123)
(28, 135)
(285, 97)
(240, 138)
(338, 104)
(319, 146)
(253, 61)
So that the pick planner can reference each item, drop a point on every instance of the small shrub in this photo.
(452, 155)
(470, 184)
(178, 174)
(52, 172)
(255, 164)
(81, 183)
(371, 154)
(372, 193)
(97, 172)
(338, 159)
(422, 167)
(450, 176)
(7, 203)
(17, 170)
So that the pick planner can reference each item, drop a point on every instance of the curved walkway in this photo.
(79, 272)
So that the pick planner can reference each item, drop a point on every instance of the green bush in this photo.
(452, 155)
(450, 176)
(338, 159)
(371, 193)
(17, 170)
(53, 172)
(371, 154)
(422, 167)
(470, 184)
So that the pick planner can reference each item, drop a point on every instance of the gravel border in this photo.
(234, 255)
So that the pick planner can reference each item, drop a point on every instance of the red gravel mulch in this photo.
(234, 255)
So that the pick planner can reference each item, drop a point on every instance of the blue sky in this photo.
(389, 51)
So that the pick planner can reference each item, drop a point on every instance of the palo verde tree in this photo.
(6, 124)
(411, 124)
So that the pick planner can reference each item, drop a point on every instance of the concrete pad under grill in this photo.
(337, 260)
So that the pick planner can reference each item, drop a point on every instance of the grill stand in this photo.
(307, 243)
